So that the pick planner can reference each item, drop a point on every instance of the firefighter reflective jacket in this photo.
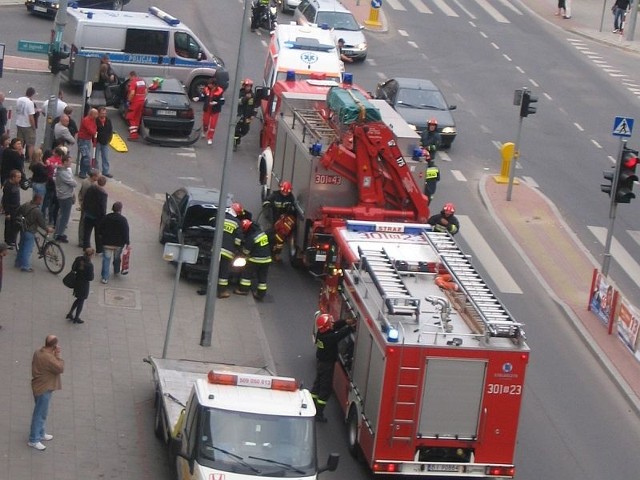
(327, 342)
(231, 237)
(256, 245)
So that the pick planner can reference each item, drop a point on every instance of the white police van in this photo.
(152, 43)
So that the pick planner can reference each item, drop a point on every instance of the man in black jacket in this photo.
(105, 134)
(10, 205)
(113, 232)
(94, 205)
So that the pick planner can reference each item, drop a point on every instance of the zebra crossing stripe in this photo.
(495, 14)
(485, 255)
(446, 9)
(421, 7)
(622, 257)
(395, 4)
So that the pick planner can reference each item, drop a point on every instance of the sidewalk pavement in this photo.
(102, 419)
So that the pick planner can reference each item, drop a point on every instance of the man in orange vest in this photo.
(137, 92)
(212, 96)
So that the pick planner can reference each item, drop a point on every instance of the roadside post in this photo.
(2, 45)
(622, 179)
(212, 279)
(180, 253)
(374, 14)
(56, 53)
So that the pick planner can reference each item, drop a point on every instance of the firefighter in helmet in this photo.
(430, 138)
(136, 95)
(231, 243)
(328, 335)
(280, 209)
(445, 221)
(258, 251)
(246, 111)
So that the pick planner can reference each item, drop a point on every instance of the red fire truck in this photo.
(431, 380)
(347, 156)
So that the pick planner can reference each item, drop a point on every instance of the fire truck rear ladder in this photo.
(315, 124)
(487, 310)
(385, 276)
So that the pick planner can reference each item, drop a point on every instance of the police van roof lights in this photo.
(162, 15)
(248, 380)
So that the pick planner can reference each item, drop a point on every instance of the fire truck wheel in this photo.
(352, 434)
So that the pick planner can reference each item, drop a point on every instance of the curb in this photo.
(612, 372)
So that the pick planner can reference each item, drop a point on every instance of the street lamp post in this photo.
(212, 279)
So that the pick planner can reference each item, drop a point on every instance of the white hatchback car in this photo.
(337, 18)
(288, 6)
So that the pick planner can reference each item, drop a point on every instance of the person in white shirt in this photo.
(26, 121)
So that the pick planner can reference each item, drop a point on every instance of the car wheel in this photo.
(197, 85)
(117, 5)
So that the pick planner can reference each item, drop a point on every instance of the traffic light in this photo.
(608, 175)
(526, 108)
(55, 65)
(627, 176)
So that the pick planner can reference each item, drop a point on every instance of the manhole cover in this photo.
(121, 297)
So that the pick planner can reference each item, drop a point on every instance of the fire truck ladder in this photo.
(315, 124)
(487, 311)
(385, 276)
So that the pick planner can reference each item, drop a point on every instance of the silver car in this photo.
(334, 15)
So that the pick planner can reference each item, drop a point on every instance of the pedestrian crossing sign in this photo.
(622, 127)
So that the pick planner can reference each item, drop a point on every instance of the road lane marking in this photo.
(621, 256)
(396, 5)
(458, 175)
(446, 9)
(485, 255)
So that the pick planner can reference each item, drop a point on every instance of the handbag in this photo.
(126, 256)
(69, 279)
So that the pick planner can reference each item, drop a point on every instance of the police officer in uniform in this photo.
(258, 251)
(431, 179)
(328, 335)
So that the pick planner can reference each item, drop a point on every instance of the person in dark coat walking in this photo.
(94, 205)
(113, 235)
(84, 276)
(329, 333)
(10, 205)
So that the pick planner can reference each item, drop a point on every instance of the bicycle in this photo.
(50, 250)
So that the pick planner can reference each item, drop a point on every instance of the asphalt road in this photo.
(574, 424)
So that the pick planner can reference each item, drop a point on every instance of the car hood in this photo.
(350, 37)
(419, 117)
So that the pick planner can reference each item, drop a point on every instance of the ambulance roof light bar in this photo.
(285, 384)
(162, 15)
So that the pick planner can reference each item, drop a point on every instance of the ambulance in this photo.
(152, 43)
(302, 51)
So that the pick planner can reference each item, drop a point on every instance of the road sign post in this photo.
(56, 53)
(374, 13)
(622, 128)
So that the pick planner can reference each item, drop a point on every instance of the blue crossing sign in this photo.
(622, 127)
(376, 3)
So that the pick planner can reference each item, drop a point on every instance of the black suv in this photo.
(194, 210)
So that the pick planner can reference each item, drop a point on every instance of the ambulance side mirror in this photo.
(262, 93)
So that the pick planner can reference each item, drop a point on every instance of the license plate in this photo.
(443, 468)
(321, 257)
(167, 113)
(40, 9)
